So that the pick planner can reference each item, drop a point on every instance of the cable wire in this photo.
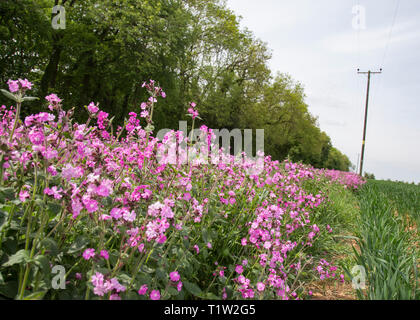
(390, 32)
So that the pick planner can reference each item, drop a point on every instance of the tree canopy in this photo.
(195, 50)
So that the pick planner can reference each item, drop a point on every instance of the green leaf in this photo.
(50, 245)
(143, 279)
(192, 288)
(147, 269)
(131, 295)
(17, 258)
(173, 291)
(212, 296)
(67, 135)
(35, 296)
(9, 95)
(1, 279)
(160, 273)
(226, 252)
(3, 219)
(54, 208)
(79, 244)
(30, 98)
(7, 194)
(43, 263)
(9, 289)
(222, 280)
(149, 128)
(65, 295)
(39, 202)
(185, 242)
(124, 278)
(205, 235)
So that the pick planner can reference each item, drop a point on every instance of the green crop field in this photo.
(388, 240)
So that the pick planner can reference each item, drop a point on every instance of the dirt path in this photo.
(334, 289)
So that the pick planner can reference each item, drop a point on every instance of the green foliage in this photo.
(195, 49)
(387, 250)
(337, 160)
(404, 197)
(369, 176)
(290, 130)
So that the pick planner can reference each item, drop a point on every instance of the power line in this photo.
(378, 87)
(390, 31)
(366, 113)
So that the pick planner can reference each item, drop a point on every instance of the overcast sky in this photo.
(322, 43)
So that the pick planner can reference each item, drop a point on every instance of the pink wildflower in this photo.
(143, 290)
(239, 269)
(88, 253)
(174, 276)
(54, 191)
(52, 98)
(13, 85)
(129, 216)
(104, 189)
(25, 84)
(76, 207)
(155, 295)
(36, 137)
(90, 205)
(104, 254)
(24, 193)
(52, 170)
(93, 108)
(260, 286)
(117, 286)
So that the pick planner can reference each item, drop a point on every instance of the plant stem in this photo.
(9, 220)
(18, 104)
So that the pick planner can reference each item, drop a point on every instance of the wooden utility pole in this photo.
(366, 113)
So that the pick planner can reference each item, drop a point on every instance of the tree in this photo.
(337, 160)
(195, 50)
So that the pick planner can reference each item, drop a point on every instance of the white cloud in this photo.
(324, 53)
(371, 39)
(270, 16)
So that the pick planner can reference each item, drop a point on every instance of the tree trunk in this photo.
(50, 75)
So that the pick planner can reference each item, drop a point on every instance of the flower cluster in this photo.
(16, 85)
(347, 179)
(102, 286)
(192, 111)
(327, 271)
(134, 215)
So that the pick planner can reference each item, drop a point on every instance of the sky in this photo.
(322, 43)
